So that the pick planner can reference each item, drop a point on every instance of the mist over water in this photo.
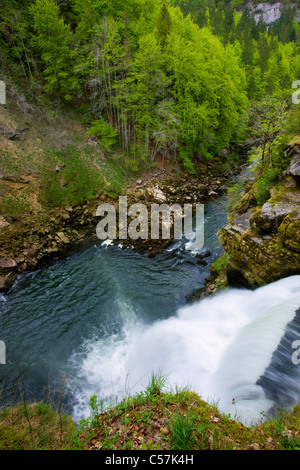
(219, 348)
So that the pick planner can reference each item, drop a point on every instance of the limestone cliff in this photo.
(263, 243)
(271, 12)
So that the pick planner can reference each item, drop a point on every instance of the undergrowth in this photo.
(154, 419)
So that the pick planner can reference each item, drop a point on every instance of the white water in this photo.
(218, 347)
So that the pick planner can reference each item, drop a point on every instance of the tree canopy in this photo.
(151, 76)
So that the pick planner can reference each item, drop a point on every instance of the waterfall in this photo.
(223, 348)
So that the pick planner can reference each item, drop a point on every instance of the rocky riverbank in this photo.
(263, 243)
(38, 239)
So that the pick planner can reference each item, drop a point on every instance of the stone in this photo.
(202, 262)
(3, 222)
(274, 211)
(263, 245)
(8, 264)
(33, 252)
(172, 190)
(63, 237)
(50, 251)
(270, 12)
(6, 283)
(206, 254)
(157, 194)
(294, 170)
(269, 218)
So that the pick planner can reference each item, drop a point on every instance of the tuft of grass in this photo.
(219, 265)
(183, 431)
(156, 384)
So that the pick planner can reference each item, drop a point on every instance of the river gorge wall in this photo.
(263, 243)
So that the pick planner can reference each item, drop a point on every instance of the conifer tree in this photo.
(164, 24)
(52, 40)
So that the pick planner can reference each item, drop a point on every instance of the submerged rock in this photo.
(6, 282)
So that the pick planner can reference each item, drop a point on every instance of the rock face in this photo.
(294, 170)
(271, 12)
(263, 244)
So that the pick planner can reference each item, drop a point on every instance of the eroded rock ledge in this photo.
(263, 244)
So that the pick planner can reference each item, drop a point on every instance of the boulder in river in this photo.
(6, 282)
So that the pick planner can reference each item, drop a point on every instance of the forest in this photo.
(179, 78)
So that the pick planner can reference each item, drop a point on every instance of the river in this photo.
(102, 321)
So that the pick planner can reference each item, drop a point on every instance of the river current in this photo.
(102, 321)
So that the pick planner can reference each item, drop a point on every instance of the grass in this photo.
(183, 431)
(34, 427)
(156, 419)
(183, 422)
(85, 171)
(153, 419)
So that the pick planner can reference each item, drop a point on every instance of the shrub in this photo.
(263, 185)
(106, 134)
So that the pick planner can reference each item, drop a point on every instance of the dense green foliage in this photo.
(239, 19)
(153, 77)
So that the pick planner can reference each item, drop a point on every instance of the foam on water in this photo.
(218, 347)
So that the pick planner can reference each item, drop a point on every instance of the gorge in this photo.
(116, 342)
(105, 319)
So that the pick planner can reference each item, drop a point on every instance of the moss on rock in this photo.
(263, 245)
